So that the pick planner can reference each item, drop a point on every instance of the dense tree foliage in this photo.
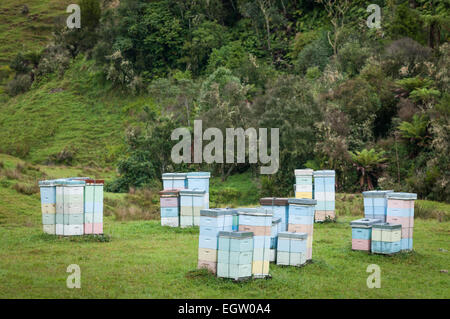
(373, 104)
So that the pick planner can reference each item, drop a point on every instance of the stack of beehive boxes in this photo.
(259, 222)
(235, 255)
(303, 187)
(199, 181)
(362, 233)
(72, 206)
(279, 207)
(48, 206)
(169, 206)
(324, 194)
(93, 206)
(212, 221)
(386, 238)
(400, 210)
(192, 201)
(276, 228)
(192, 191)
(291, 249)
(375, 204)
(301, 220)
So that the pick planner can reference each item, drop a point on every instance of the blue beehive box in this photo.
(375, 204)
(174, 180)
(279, 207)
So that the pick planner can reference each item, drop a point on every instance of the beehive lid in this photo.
(276, 220)
(174, 176)
(273, 201)
(405, 196)
(258, 211)
(214, 212)
(194, 192)
(387, 226)
(70, 182)
(324, 173)
(236, 234)
(302, 201)
(364, 222)
(199, 174)
(377, 194)
(303, 172)
(166, 192)
(95, 181)
(286, 234)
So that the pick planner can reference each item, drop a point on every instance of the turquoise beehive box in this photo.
(174, 181)
(375, 204)
(324, 194)
(291, 249)
(235, 255)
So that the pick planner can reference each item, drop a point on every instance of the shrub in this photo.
(405, 57)
(65, 157)
(20, 84)
(26, 189)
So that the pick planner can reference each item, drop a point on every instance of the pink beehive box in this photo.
(407, 232)
(406, 222)
(169, 202)
(398, 203)
(95, 228)
(361, 244)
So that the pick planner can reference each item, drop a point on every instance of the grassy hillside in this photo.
(141, 259)
(27, 32)
(78, 113)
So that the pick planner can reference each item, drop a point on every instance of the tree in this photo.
(368, 164)
(415, 132)
(336, 10)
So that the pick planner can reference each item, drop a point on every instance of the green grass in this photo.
(23, 33)
(77, 113)
(237, 190)
(141, 259)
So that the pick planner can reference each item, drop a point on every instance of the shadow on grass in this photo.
(104, 238)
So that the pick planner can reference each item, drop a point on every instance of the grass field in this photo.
(141, 259)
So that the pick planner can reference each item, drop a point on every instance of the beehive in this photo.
(291, 248)
(170, 208)
(279, 207)
(259, 222)
(303, 183)
(93, 206)
(192, 201)
(375, 204)
(48, 206)
(386, 238)
(235, 255)
(362, 233)
(400, 210)
(174, 181)
(200, 181)
(324, 194)
(69, 207)
(301, 220)
(212, 221)
(276, 228)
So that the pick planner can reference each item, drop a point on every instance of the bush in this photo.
(405, 57)
(352, 57)
(26, 189)
(20, 84)
(314, 54)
